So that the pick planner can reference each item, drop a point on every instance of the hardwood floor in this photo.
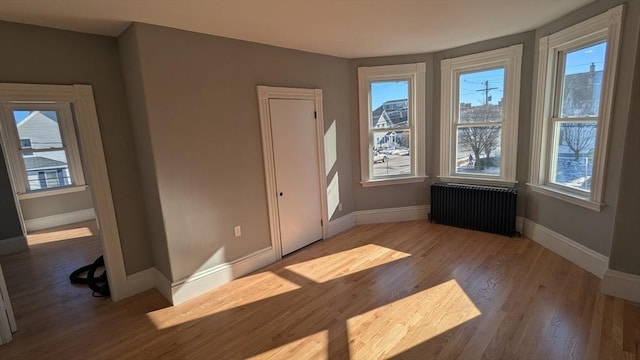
(409, 290)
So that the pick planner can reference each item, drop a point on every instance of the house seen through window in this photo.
(391, 130)
(46, 154)
(42, 149)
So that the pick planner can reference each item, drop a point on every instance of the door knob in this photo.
(280, 194)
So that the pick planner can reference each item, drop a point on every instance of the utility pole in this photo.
(486, 91)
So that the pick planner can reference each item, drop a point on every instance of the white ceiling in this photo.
(345, 28)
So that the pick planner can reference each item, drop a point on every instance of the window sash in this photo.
(14, 151)
(560, 62)
(554, 147)
(409, 128)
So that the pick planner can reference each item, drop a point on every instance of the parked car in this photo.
(378, 158)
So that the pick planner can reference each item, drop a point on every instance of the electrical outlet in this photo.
(237, 230)
(340, 207)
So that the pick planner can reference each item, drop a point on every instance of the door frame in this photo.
(265, 93)
(95, 167)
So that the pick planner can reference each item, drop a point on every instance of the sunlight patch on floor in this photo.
(315, 347)
(247, 290)
(408, 322)
(59, 235)
(346, 262)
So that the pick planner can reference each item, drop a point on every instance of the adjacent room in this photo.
(352, 179)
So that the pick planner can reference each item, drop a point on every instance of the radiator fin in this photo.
(482, 208)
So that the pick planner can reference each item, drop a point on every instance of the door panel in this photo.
(293, 133)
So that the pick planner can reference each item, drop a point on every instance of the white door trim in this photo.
(81, 96)
(264, 94)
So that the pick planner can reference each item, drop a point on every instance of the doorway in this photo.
(44, 163)
(293, 150)
(78, 102)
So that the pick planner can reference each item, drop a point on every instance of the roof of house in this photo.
(32, 163)
(393, 117)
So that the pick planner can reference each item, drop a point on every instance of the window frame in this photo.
(603, 27)
(13, 149)
(415, 74)
(509, 58)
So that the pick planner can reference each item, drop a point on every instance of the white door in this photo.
(295, 151)
(7, 321)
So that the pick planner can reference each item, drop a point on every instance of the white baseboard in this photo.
(378, 216)
(162, 284)
(578, 254)
(622, 285)
(341, 224)
(13, 245)
(59, 220)
(520, 224)
(211, 278)
(137, 283)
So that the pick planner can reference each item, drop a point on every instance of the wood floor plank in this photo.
(409, 290)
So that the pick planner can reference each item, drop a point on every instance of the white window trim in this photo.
(605, 26)
(511, 59)
(11, 138)
(415, 73)
(52, 191)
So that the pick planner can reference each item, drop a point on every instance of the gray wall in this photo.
(594, 229)
(39, 55)
(132, 69)
(9, 220)
(201, 110)
(625, 249)
(55, 204)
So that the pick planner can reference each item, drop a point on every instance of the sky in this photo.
(472, 84)
(19, 115)
(382, 91)
(580, 60)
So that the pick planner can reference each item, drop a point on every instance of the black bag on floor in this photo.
(99, 284)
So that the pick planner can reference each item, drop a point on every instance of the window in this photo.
(576, 69)
(392, 123)
(479, 117)
(41, 147)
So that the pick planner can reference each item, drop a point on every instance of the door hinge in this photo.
(321, 222)
(315, 114)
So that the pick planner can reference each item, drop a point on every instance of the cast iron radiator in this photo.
(480, 208)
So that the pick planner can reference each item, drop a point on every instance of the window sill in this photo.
(478, 181)
(394, 181)
(567, 196)
(52, 192)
